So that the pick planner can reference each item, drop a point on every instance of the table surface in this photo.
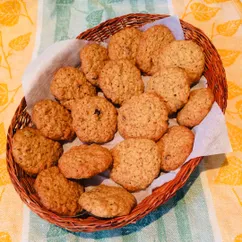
(209, 207)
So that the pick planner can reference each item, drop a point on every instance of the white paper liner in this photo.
(211, 135)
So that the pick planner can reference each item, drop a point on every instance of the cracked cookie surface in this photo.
(136, 163)
(152, 40)
(143, 116)
(70, 84)
(57, 193)
(175, 146)
(93, 58)
(85, 161)
(197, 107)
(124, 44)
(107, 201)
(53, 120)
(120, 80)
(172, 85)
(34, 152)
(185, 54)
(94, 119)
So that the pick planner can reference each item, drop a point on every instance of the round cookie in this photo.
(33, 152)
(85, 161)
(120, 80)
(94, 119)
(124, 44)
(172, 85)
(185, 54)
(152, 40)
(175, 146)
(136, 163)
(53, 120)
(57, 193)
(197, 107)
(107, 201)
(70, 84)
(93, 58)
(143, 116)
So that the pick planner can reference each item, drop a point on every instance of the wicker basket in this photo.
(23, 184)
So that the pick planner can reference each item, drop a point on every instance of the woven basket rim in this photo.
(159, 195)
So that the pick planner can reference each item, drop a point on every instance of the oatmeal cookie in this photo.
(143, 116)
(53, 120)
(94, 120)
(136, 163)
(33, 152)
(175, 146)
(152, 40)
(107, 201)
(70, 84)
(85, 161)
(57, 193)
(93, 58)
(197, 107)
(172, 85)
(185, 54)
(120, 80)
(124, 44)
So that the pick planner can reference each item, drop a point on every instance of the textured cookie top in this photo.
(94, 120)
(93, 58)
(136, 163)
(70, 84)
(120, 80)
(175, 146)
(185, 54)
(84, 161)
(33, 152)
(172, 85)
(53, 120)
(107, 202)
(57, 193)
(152, 40)
(143, 116)
(197, 107)
(124, 44)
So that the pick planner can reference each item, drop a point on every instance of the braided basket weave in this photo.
(23, 184)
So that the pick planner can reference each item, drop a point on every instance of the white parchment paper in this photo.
(211, 135)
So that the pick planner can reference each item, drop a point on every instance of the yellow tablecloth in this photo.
(27, 27)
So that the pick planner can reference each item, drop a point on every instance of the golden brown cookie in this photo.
(53, 120)
(185, 54)
(94, 120)
(107, 201)
(93, 58)
(85, 161)
(172, 85)
(124, 44)
(120, 80)
(143, 116)
(70, 84)
(197, 107)
(175, 146)
(57, 193)
(152, 40)
(33, 152)
(136, 163)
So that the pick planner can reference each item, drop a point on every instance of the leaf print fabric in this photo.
(203, 13)
(9, 13)
(20, 42)
(229, 28)
(228, 56)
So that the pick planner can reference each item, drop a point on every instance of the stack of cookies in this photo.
(140, 115)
